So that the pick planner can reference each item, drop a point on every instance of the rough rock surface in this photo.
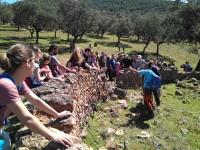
(77, 94)
(129, 80)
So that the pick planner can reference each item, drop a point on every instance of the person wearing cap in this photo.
(186, 67)
(54, 64)
(140, 62)
(126, 62)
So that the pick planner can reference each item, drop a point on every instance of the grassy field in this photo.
(176, 113)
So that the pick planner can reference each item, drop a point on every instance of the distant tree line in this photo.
(180, 22)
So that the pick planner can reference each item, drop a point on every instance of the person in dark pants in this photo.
(112, 66)
(108, 72)
(155, 92)
(148, 101)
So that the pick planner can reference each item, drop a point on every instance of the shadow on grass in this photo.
(150, 55)
(128, 40)
(6, 45)
(6, 29)
(24, 39)
(139, 119)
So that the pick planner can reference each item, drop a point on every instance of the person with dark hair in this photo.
(134, 62)
(54, 64)
(186, 67)
(87, 56)
(171, 63)
(112, 67)
(147, 73)
(18, 64)
(46, 72)
(155, 92)
(102, 60)
(126, 62)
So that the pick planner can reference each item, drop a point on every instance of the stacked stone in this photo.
(77, 94)
(128, 80)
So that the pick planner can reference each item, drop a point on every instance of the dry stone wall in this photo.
(129, 80)
(77, 94)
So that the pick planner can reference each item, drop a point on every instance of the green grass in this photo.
(165, 128)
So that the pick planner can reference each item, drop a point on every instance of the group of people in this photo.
(22, 61)
(18, 63)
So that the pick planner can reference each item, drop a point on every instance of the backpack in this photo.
(155, 82)
(18, 88)
(29, 81)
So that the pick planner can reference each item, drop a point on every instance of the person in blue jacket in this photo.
(186, 67)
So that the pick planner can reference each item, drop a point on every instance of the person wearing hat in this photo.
(126, 62)
(186, 67)
(140, 62)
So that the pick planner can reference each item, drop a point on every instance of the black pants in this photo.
(157, 99)
(111, 74)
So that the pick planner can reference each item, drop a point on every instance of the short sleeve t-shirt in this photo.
(52, 62)
(9, 94)
(147, 76)
(126, 62)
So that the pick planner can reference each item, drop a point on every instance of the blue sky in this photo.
(9, 1)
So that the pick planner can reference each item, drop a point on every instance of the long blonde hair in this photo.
(77, 55)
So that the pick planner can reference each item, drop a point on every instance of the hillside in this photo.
(142, 6)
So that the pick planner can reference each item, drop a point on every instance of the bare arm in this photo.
(39, 103)
(69, 64)
(50, 76)
(36, 73)
(36, 126)
(133, 70)
(64, 68)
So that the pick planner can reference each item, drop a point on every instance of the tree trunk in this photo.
(18, 28)
(67, 36)
(118, 38)
(145, 48)
(55, 32)
(157, 48)
(198, 66)
(74, 40)
(31, 31)
(37, 36)
(80, 39)
(138, 38)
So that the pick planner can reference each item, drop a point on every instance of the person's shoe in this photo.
(151, 114)
(158, 106)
